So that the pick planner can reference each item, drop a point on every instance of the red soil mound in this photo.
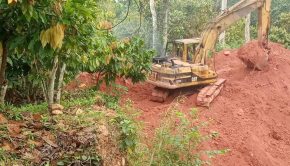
(82, 81)
(86, 80)
(251, 115)
(254, 55)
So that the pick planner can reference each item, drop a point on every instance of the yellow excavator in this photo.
(186, 64)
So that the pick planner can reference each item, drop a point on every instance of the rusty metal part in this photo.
(209, 93)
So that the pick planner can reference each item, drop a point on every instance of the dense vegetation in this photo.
(40, 40)
(188, 18)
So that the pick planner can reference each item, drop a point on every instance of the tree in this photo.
(21, 23)
(188, 18)
(154, 25)
(248, 28)
(165, 25)
(223, 34)
(280, 32)
(44, 38)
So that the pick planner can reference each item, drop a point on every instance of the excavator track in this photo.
(209, 93)
(159, 94)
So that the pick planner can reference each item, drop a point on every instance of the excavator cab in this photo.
(181, 49)
(184, 49)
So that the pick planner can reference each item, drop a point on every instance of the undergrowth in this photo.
(128, 126)
(176, 142)
(73, 136)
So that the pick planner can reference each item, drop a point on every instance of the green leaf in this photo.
(60, 163)
(9, 61)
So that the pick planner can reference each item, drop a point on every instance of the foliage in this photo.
(73, 133)
(176, 142)
(278, 7)
(21, 23)
(280, 35)
(280, 32)
(76, 35)
(133, 23)
(188, 18)
(112, 59)
(235, 34)
(16, 113)
(128, 128)
(284, 21)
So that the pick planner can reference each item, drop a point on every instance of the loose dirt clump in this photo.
(254, 55)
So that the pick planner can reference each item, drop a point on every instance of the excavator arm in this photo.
(229, 17)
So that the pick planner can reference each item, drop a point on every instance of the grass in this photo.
(94, 107)
(176, 141)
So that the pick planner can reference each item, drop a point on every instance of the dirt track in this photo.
(251, 115)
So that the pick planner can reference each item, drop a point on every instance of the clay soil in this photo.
(251, 114)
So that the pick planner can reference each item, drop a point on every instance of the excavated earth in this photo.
(251, 114)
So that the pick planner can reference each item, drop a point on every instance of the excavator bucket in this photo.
(209, 93)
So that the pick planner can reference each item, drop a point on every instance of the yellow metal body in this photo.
(178, 72)
(183, 76)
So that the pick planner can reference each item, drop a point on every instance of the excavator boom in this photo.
(229, 17)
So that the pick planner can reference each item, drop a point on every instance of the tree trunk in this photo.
(165, 28)
(3, 81)
(222, 37)
(247, 28)
(3, 94)
(52, 81)
(44, 90)
(1, 52)
(60, 83)
(154, 24)
(3, 63)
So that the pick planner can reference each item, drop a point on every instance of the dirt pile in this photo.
(86, 80)
(82, 81)
(254, 55)
(251, 115)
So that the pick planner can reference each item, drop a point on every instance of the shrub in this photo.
(176, 142)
